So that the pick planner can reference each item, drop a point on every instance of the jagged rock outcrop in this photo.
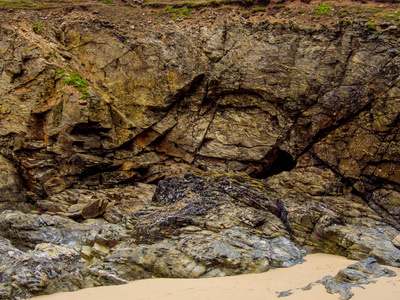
(47, 269)
(256, 99)
(304, 119)
(215, 225)
(185, 232)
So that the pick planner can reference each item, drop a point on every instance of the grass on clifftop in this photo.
(209, 3)
(37, 28)
(28, 4)
(127, 19)
(176, 13)
(323, 9)
(254, 10)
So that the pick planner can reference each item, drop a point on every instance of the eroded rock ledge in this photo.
(305, 120)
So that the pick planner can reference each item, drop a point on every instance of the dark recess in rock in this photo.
(281, 161)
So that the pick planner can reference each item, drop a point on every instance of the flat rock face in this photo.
(114, 150)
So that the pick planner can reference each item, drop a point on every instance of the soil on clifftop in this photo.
(133, 18)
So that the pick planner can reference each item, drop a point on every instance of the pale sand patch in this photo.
(262, 286)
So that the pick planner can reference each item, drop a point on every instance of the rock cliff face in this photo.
(308, 116)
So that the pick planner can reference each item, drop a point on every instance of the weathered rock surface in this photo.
(243, 97)
(310, 206)
(313, 112)
(215, 225)
(12, 193)
(113, 204)
(201, 253)
(323, 214)
(183, 232)
(365, 271)
(396, 241)
(45, 270)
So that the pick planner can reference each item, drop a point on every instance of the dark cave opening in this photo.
(280, 161)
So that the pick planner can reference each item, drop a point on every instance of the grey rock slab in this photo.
(365, 271)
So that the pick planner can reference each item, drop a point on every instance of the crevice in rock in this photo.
(378, 209)
(189, 88)
(87, 128)
(20, 245)
(280, 161)
(282, 215)
(321, 134)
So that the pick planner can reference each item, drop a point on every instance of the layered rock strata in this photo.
(254, 98)
(94, 124)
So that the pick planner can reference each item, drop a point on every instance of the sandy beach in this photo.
(252, 286)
